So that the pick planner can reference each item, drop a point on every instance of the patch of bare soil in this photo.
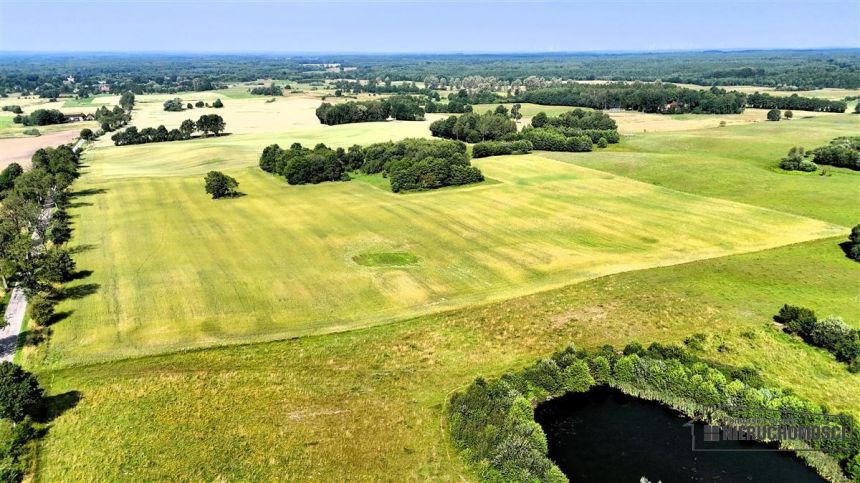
(20, 150)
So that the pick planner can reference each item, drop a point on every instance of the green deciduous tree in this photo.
(774, 115)
(20, 393)
(219, 185)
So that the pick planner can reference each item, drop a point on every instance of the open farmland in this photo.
(269, 411)
(279, 261)
(20, 150)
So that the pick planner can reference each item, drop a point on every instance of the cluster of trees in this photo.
(472, 128)
(410, 164)
(401, 108)
(638, 96)
(843, 152)
(386, 87)
(796, 161)
(300, 165)
(492, 422)
(767, 101)
(271, 90)
(13, 108)
(175, 105)
(219, 185)
(206, 123)
(349, 112)
(21, 400)
(431, 172)
(853, 244)
(498, 148)
(462, 101)
(576, 119)
(126, 100)
(112, 119)
(24, 230)
(830, 333)
(41, 117)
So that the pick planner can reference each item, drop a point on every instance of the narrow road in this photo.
(13, 318)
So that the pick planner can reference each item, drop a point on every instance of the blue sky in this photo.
(418, 26)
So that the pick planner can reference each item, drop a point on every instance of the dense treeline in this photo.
(401, 108)
(472, 128)
(41, 117)
(271, 90)
(492, 422)
(374, 87)
(462, 101)
(830, 333)
(170, 73)
(34, 226)
(843, 152)
(206, 123)
(498, 148)
(639, 96)
(574, 131)
(301, 165)
(23, 228)
(410, 164)
(781, 69)
(767, 101)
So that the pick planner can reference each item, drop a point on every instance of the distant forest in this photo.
(49, 76)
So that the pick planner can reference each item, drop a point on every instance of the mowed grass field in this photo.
(369, 404)
(741, 163)
(173, 269)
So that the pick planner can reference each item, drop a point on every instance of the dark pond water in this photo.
(605, 435)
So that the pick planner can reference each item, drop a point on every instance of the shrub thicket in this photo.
(843, 152)
(497, 148)
(831, 333)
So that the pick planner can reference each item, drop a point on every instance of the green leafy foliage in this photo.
(830, 333)
(20, 393)
(842, 152)
(219, 185)
(498, 148)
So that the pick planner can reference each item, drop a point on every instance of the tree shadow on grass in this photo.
(54, 406)
(78, 291)
(35, 336)
(81, 274)
(846, 249)
(78, 204)
(87, 192)
(81, 249)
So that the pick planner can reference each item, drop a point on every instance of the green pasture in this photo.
(741, 163)
(354, 405)
(173, 269)
(391, 302)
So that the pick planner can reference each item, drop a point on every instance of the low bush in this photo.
(830, 333)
